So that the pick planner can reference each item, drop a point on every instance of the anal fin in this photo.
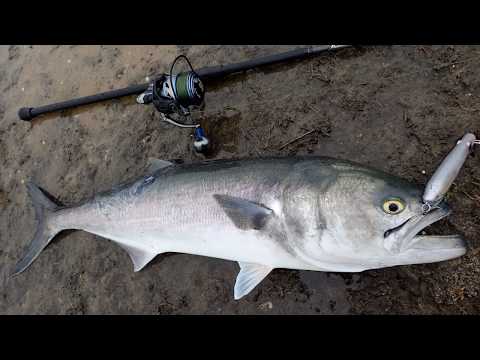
(249, 277)
(140, 257)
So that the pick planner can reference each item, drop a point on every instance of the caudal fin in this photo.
(44, 207)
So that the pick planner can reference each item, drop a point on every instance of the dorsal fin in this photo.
(245, 214)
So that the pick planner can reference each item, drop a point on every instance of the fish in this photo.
(301, 213)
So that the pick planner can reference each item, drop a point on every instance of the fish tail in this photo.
(44, 208)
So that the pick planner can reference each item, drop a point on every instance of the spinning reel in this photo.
(173, 96)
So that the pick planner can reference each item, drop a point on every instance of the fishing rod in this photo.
(174, 95)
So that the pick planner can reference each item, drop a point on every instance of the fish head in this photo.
(369, 219)
(392, 211)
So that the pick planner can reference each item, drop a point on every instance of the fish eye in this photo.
(393, 206)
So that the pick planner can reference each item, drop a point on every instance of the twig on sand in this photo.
(469, 196)
(297, 138)
(324, 133)
(451, 64)
(274, 124)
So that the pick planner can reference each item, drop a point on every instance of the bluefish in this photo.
(306, 213)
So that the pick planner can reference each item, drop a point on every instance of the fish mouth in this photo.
(405, 239)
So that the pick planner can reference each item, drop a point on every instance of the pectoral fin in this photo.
(250, 275)
(245, 214)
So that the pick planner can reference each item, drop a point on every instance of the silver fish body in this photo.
(306, 213)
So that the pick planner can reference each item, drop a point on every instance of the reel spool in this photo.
(172, 94)
(177, 93)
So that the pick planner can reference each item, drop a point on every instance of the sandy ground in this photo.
(398, 108)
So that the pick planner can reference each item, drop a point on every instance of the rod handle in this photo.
(25, 113)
